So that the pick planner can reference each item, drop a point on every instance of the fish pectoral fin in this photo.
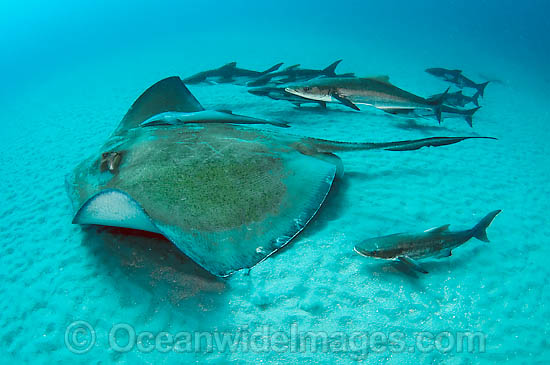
(412, 264)
(345, 101)
(444, 253)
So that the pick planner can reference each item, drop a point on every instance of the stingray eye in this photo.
(307, 88)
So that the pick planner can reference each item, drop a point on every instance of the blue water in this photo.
(69, 73)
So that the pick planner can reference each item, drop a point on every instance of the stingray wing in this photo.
(227, 196)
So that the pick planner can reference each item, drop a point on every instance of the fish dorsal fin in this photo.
(438, 229)
(330, 69)
(382, 78)
(167, 95)
(292, 67)
(230, 65)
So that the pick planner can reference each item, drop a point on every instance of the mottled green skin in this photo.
(211, 171)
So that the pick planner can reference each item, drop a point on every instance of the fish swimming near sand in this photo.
(377, 92)
(457, 78)
(227, 195)
(295, 73)
(229, 73)
(279, 93)
(435, 242)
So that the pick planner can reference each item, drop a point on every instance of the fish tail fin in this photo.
(437, 103)
(479, 231)
(272, 68)
(481, 88)
(438, 115)
(468, 116)
(475, 98)
(331, 69)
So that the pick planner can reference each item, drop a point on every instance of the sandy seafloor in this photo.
(53, 272)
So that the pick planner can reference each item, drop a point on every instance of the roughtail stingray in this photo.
(225, 194)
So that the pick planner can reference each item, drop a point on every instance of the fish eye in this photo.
(307, 88)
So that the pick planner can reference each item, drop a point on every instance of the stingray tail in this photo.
(409, 145)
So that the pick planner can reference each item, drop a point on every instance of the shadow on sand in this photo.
(413, 125)
(147, 260)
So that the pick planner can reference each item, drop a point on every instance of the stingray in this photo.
(227, 195)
